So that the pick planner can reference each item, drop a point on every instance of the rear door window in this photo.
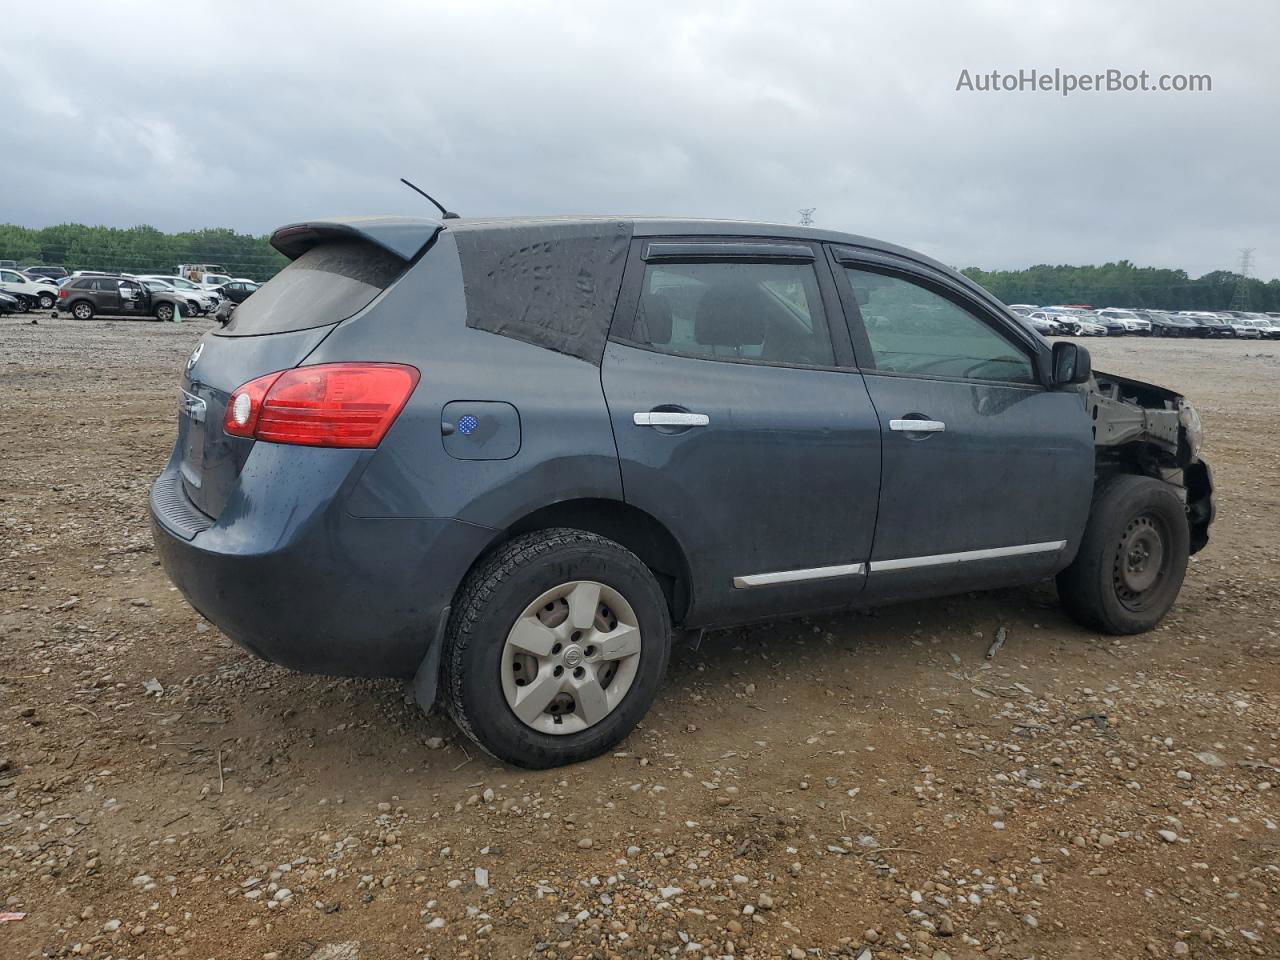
(326, 284)
(759, 312)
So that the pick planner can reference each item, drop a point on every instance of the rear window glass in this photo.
(326, 284)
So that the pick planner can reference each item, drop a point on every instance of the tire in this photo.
(164, 312)
(82, 310)
(1109, 586)
(47, 300)
(23, 304)
(482, 668)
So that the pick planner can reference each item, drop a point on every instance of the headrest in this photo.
(654, 323)
(732, 314)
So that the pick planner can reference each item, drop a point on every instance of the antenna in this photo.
(445, 214)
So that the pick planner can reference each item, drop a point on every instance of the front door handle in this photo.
(917, 426)
(666, 418)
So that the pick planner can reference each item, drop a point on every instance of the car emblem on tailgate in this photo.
(195, 355)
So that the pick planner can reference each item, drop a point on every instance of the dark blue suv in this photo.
(516, 459)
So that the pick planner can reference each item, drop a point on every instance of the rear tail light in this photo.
(62, 293)
(328, 405)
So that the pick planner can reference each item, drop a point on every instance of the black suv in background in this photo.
(237, 291)
(50, 273)
(1170, 324)
(112, 295)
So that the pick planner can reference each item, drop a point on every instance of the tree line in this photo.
(1122, 284)
(142, 249)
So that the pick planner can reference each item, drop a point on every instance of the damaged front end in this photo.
(1141, 428)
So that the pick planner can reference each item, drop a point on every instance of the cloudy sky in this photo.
(250, 114)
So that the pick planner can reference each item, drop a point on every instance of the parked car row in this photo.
(86, 293)
(1082, 321)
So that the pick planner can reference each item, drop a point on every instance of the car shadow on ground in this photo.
(309, 741)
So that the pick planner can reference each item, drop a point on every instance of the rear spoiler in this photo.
(406, 237)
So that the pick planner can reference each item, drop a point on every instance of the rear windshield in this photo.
(326, 284)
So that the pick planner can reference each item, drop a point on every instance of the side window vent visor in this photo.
(728, 250)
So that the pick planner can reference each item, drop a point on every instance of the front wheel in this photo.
(1132, 558)
(47, 300)
(555, 649)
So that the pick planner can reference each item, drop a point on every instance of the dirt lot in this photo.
(800, 789)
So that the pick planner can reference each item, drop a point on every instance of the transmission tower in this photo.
(1240, 299)
(806, 216)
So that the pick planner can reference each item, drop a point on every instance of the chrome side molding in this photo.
(888, 566)
(794, 576)
(966, 556)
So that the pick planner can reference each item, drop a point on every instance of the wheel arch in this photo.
(640, 532)
(1193, 478)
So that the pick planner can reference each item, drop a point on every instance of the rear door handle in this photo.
(663, 418)
(917, 426)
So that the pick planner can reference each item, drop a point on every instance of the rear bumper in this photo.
(308, 586)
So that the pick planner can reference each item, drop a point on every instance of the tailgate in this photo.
(210, 461)
(339, 268)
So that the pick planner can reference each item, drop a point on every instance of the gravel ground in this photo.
(848, 786)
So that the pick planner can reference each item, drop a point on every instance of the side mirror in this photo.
(1071, 363)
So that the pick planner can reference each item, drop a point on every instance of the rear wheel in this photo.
(23, 303)
(82, 310)
(555, 649)
(47, 300)
(164, 312)
(1132, 558)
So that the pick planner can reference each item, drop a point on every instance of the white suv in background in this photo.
(212, 281)
(29, 293)
(1123, 321)
(1240, 326)
(206, 300)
